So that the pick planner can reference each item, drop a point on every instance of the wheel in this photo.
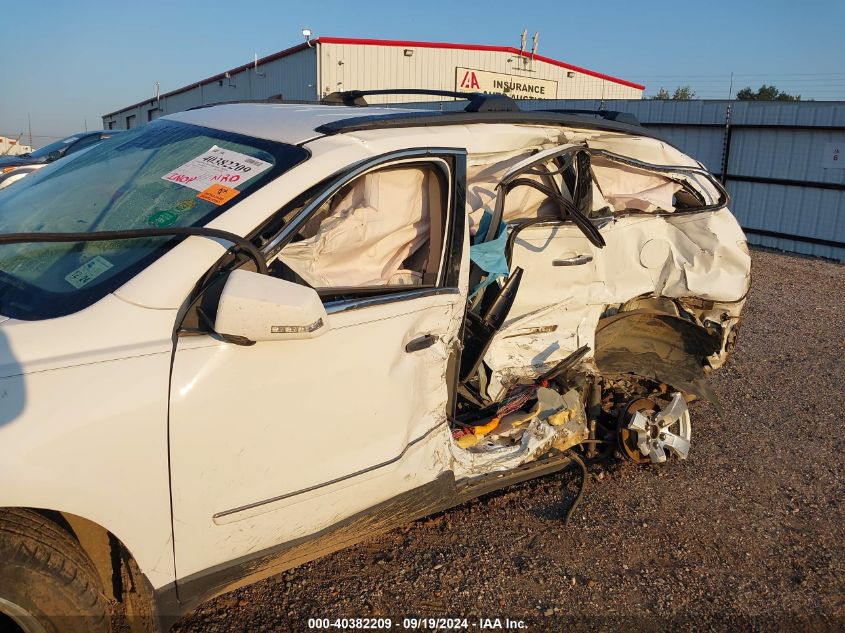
(47, 583)
(649, 428)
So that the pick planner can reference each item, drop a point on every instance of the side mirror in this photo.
(262, 308)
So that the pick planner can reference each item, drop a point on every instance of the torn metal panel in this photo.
(661, 347)
(482, 190)
(528, 346)
(699, 257)
(556, 422)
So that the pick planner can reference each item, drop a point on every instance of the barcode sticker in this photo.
(217, 166)
(88, 272)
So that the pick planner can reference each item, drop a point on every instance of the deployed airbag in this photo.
(625, 187)
(381, 221)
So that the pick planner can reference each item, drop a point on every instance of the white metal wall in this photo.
(293, 77)
(773, 171)
(12, 147)
(329, 67)
(365, 67)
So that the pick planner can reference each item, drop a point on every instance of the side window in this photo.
(383, 230)
(522, 201)
(83, 143)
(625, 185)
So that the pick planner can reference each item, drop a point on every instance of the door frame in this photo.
(456, 200)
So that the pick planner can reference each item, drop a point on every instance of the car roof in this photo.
(297, 123)
(91, 133)
(283, 122)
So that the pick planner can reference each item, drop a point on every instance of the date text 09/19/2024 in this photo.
(439, 624)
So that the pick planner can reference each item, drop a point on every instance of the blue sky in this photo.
(65, 62)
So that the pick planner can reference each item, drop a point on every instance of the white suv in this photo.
(247, 335)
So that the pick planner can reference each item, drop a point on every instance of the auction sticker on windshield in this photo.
(89, 271)
(217, 166)
(218, 194)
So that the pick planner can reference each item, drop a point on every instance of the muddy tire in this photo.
(47, 583)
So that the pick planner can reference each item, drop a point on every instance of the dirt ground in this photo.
(747, 534)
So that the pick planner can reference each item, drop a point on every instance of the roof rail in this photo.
(277, 100)
(608, 115)
(478, 101)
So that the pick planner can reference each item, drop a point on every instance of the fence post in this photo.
(726, 146)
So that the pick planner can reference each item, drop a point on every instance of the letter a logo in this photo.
(470, 80)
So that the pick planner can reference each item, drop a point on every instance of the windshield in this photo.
(161, 175)
(45, 151)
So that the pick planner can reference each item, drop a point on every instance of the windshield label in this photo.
(217, 166)
(169, 217)
(218, 194)
(88, 272)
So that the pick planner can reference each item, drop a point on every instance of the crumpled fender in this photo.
(661, 347)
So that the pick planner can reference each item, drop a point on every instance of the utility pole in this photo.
(731, 88)
(29, 125)
(85, 122)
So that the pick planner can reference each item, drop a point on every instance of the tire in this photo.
(47, 583)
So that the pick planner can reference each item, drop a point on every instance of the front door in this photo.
(280, 440)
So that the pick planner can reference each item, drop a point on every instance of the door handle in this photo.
(421, 343)
(575, 260)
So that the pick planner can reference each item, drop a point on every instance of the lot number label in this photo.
(217, 166)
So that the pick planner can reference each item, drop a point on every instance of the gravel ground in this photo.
(744, 535)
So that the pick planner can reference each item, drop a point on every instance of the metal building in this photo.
(327, 64)
(12, 147)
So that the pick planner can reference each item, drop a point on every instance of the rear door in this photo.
(552, 314)
(623, 245)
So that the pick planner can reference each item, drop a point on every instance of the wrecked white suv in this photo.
(247, 335)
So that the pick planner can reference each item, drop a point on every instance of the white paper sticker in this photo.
(70, 140)
(89, 271)
(834, 156)
(217, 166)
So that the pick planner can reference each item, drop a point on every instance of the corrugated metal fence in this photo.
(770, 156)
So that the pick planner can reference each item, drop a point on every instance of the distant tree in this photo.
(765, 93)
(683, 93)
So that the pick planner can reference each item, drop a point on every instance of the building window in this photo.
(130, 122)
(111, 125)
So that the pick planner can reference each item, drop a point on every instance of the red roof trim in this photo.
(370, 42)
(477, 47)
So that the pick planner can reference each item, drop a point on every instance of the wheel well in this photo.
(658, 346)
(119, 573)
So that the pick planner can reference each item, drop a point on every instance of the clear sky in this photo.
(67, 62)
